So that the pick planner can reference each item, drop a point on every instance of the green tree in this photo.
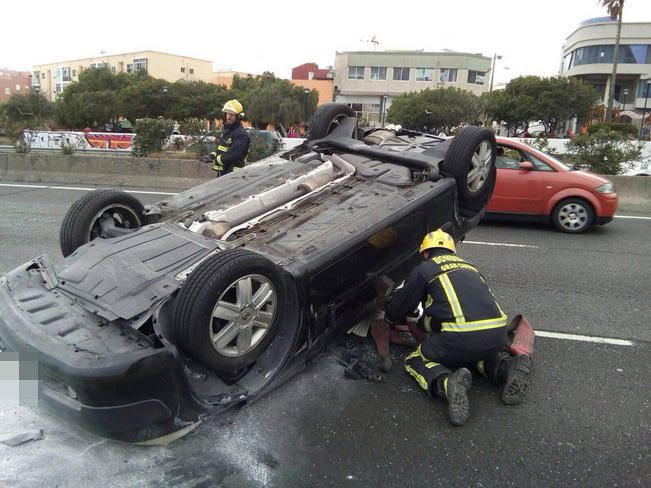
(93, 100)
(440, 108)
(549, 100)
(268, 99)
(146, 97)
(195, 100)
(26, 111)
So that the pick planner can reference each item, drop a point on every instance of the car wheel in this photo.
(229, 309)
(327, 118)
(573, 215)
(471, 161)
(81, 223)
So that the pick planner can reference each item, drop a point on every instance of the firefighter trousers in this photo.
(427, 370)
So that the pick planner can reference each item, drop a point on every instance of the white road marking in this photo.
(505, 244)
(583, 338)
(79, 188)
(631, 217)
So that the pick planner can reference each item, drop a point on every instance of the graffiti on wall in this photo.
(79, 141)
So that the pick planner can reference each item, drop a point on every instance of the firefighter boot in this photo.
(517, 379)
(456, 387)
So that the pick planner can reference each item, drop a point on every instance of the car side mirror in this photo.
(527, 165)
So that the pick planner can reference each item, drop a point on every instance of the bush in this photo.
(604, 151)
(67, 149)
(192, 126)
(627, 130)
(150, 136)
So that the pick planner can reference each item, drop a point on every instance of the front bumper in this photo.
(134, 397)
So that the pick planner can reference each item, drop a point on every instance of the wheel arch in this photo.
(573, 193)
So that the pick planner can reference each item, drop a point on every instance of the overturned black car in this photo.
(158, 316)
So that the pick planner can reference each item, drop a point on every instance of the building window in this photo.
(424, 74)
(74, 73)
(641, 93)
(17, 87)
(129, 68)
(7, 91)
(191, 71)
(43, 75)
(378, 73)
(182, 69)
(448, 75)
(401, 74)
(603, 54)
(140, 64)
(355, 72)
(476, 77)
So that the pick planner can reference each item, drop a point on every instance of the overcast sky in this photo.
(256, 35)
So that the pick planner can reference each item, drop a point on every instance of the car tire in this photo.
(573, 215)
(229, 309)
(471, 161)
(326, 118)
(81, 223)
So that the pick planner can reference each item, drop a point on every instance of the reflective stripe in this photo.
(474, 325)
(427, 323)
(453, 300)
(420, 379)
(481, 367)
(222, 148)
(431, 365)
(422, 382)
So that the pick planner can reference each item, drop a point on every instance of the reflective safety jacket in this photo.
(232, 148)
(457, 302)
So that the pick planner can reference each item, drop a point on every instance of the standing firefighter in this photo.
(465, 324)
(234, 143)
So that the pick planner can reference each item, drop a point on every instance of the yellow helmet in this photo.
(233, 107)
(438, 238)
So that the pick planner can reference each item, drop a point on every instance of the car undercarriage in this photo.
(162, 315)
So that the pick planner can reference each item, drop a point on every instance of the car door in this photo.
(517, 190)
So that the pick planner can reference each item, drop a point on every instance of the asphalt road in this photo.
(586, 422)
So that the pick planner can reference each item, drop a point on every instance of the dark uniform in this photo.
(466, 323)
(232, 149)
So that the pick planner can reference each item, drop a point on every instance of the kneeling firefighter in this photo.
(465, 326)
(234, 143)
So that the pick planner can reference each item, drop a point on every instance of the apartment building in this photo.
(51, 79)
(588, 55)
(12, 82)
(369, 80)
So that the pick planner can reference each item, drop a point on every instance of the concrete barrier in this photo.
(634, 191)
(106, 171)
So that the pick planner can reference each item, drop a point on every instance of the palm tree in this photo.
(614, 8)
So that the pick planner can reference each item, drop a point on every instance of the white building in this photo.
(369, 80)
(588, 55)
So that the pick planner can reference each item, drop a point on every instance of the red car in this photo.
(532, 185)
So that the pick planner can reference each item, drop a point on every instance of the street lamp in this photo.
(646, 99)
(495, 58)
(625, 98)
